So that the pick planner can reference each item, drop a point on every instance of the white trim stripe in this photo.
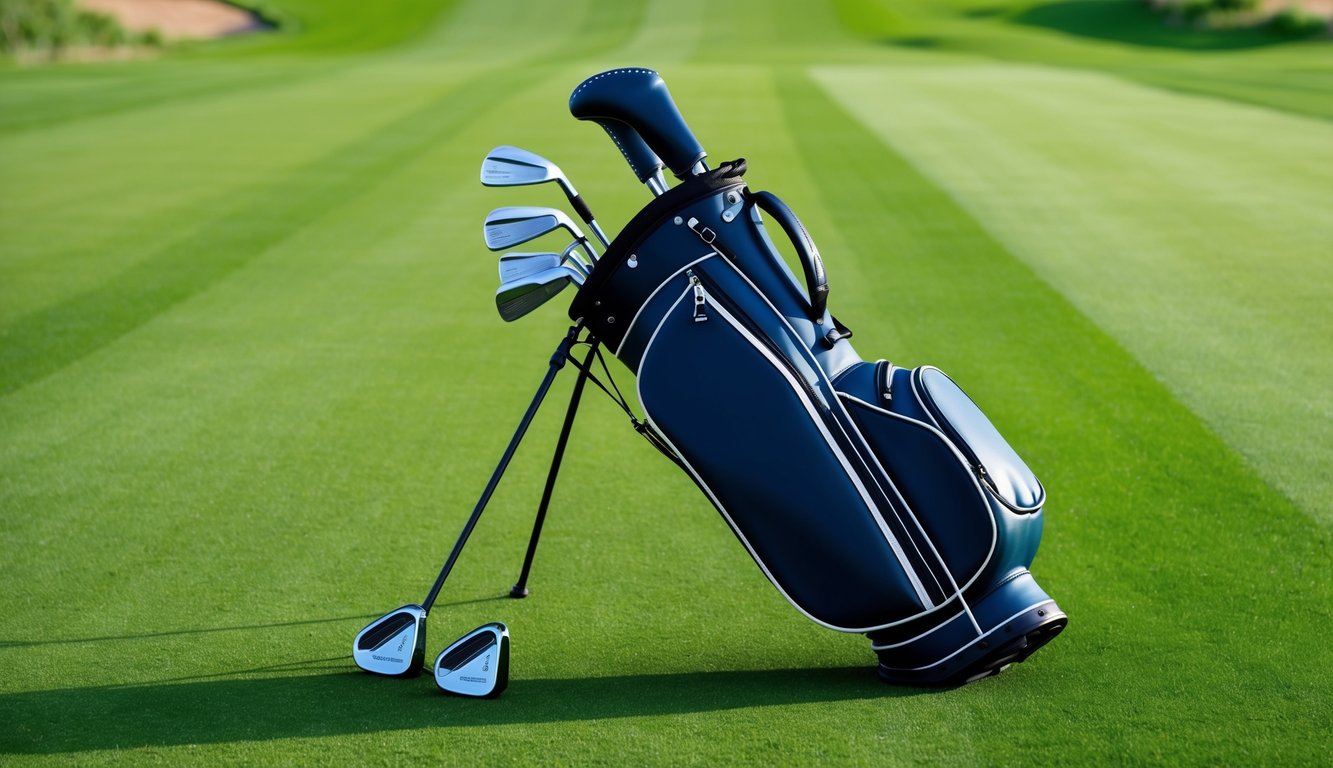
(732, 523)
(973, 643)
(852, 475)
(819, 371)
(630, 328)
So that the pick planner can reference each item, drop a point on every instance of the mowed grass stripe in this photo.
(85, 201)
(248, 457)
(1180, 567)
(26, 103)
(46, 341)
(1295, 77)
(1182, 225)
(318, 395)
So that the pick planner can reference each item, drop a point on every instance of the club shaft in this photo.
(557, 362)
(581, 208)
(587, 248)
(520, 588)
(656, 184)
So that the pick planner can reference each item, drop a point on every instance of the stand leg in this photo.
(520, 589)
(557, 362)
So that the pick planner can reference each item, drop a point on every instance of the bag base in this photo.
(1015, 620)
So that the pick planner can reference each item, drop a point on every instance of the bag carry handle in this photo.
(816, 280)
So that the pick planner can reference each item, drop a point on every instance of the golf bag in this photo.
(877, 499)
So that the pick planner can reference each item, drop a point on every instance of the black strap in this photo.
(836, 334)
(642, 427)
(816, 281)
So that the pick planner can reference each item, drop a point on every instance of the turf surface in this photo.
(252, 380)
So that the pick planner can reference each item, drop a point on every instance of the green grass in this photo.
(252, 381)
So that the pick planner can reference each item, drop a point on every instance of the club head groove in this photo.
(393, 645)
(477, 664)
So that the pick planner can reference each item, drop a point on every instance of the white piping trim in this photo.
(917, 386)
(842, 459)
(906, 507)
(630, 328)
(974, 642)
(932, 630)
(981, 493)
(908, 570)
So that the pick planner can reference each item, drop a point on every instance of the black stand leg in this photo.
(557, 362)
(520, 589)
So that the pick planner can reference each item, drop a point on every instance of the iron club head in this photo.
(477, 664)
(394, 644)
(516, 266)
(510, 226)
(507, 166)
(517, 298)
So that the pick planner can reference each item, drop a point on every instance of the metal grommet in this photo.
(678, 220)
(611, 319)
(633, 262)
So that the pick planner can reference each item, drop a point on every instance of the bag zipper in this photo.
(701, 284)
(973, 462)
(700, 298)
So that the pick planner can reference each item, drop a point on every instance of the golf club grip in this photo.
(581, 208)
(639, 99)
(816, 280)
(643, 161)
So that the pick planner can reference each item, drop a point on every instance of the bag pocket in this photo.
(936, 483)
(758, 441)
(996, 464)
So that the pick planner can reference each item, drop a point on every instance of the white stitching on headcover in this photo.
(623, 71)
(619, 146)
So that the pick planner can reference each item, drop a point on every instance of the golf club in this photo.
(510, 226)
(477, 664)
(507, 166)
(514, 266)
(394, 644)
(570, 256)
(516, 298)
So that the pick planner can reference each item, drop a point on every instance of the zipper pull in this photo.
(984, 477)
(700, 298)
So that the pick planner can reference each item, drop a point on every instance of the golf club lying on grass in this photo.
(507, 166)
(515, 225)
(477, 664)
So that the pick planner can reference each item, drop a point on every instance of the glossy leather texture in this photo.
(638, 98)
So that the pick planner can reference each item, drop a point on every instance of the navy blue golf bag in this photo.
(877, 499)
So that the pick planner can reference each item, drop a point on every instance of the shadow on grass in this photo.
(1132, 22)
(336, 703)
(213, 630)
(921, 43)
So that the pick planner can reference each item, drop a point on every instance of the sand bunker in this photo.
(178, 19)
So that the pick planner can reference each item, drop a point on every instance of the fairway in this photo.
(252, 382)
